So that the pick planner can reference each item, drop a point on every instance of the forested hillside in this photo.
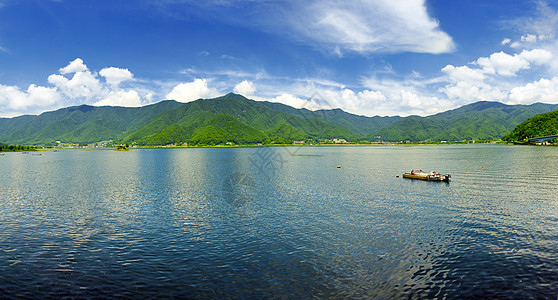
(545, 124)
(235, 119)
(478, 121)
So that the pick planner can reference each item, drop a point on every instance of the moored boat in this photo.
(431, 176)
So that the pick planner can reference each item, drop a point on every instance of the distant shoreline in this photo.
(348, 144)
(289, 145)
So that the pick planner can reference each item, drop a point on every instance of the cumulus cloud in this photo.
(508, 65)
(12, 98)
(543, 90)
(75, 84)
(75, 66)
(467, 92)
(121, 98)
(381, 98)
(245, 88)
(536, 56)
(500, 63)
(483, 80)
(87, 87)
(82, 85)
(403, 97)
(291, 100)
(115, 76)
(389, 99)
(190, 91)
(463, 73)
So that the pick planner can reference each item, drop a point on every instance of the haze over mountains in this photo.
(235, 119)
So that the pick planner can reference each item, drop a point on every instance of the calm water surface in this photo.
(280, 223)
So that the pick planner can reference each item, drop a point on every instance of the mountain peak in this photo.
(482, 105)
(232, 96)
(82, 108)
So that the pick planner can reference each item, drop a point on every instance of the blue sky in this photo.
(378, 57)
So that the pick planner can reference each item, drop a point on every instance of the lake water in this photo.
(280, 222)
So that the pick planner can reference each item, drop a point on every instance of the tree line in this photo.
(14, 148)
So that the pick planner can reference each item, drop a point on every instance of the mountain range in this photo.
(235, 119)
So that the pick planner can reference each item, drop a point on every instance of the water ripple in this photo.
(204, 223)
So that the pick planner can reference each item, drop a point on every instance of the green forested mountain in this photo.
(545, 124)
(79, 124)
(248, 121)
(231, 118)
(235, 119)
(478, 121)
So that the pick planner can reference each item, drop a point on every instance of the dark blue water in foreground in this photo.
(280, 223)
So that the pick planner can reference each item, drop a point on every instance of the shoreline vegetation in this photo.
(127, 147)
(16, 148)
(122, 147)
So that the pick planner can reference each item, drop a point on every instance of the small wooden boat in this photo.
(432, 176)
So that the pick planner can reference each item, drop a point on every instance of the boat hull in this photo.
(427, 177)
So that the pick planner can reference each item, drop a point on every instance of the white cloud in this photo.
(75, 85)
(115, 76)
(12, 98)
(508, 65)
(371, 26)
(463, 73)
(121, 98)
(291, 100)
(403, 97)
(505, 41)
(381, 98)
(465, 84)
(503, 64)
(537, 56)
(245, 88)
(516, 45)
(86, 86)
(543, 90)
(82, 85)
(374, 96)
(529, 38)
(186, 92)
(463, 92)
(297, 102)
(367, 102)
(411, 100)
(75, 66)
